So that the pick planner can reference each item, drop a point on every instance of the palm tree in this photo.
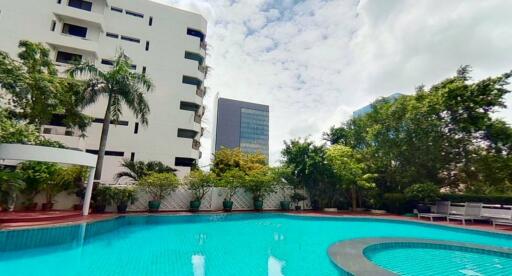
(121, 86)
(135, 170)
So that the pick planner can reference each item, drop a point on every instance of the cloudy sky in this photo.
(316, 61)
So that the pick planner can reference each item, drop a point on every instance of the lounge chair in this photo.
(442, 211)
(472, 211)
(502, 221)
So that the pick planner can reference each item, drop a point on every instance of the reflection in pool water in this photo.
(236, 244)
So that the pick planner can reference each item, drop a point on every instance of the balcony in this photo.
(198, 118)
(62, 40)
(64, 13)
(201, 91)
(68, 137)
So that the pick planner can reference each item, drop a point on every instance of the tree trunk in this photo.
(103, 140)
(354, 198)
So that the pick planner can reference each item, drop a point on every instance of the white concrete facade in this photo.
(156, 37)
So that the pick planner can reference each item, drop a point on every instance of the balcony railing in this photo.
(203, 69)
(203, 45)
(196, 144)
(197, 118)
(201, 91)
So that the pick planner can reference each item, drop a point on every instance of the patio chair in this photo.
(472, 211)
(442, 211)
(502, 221)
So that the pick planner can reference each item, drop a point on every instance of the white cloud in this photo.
(315, 61)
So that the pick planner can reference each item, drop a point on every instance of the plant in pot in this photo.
(101, 197)
(122, 197)
(297, 197)
(260, 183)
(285, 181)
(11, 185)
(35, 175)
(158, 186)
(76, 176)
(231, 181)
(199, 183)
(422, 194)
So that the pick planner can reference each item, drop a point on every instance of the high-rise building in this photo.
(368, 108)
(166, 43)
(241, 125)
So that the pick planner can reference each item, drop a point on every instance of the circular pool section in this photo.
(434, 258)
(231, 244)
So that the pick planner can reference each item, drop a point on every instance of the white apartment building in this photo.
(166, 43)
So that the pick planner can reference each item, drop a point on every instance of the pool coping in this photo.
(349, 255)
(301, 214)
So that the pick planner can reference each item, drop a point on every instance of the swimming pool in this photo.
(231, 244)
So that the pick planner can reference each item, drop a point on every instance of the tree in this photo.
(159, 185)
(260, 183)
(227, 159)
(135, 170)
(36, 92)
(200, 183)
(232, 180)
(122, 87)
(350, 171)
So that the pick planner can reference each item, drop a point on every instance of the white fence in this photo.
(180, 200)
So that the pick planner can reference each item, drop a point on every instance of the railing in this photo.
(196, 144)
(203, 69)
(197, 118)
(201, 91)
(203, 45)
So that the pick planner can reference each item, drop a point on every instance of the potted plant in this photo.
(297, 197)
(122, 197)
(10, 186)
(101, 197)
(422, 194)
(260, 183)
(199, 183)
(158, 186)
(37, 176)
(231, 181)
(285, 181)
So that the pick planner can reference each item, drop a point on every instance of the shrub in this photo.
(200, 183)
(159, 185)
(424, 192)
(124, 195)
(232, 180)
(396, 203)
(260, 183)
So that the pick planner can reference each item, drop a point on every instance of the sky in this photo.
(316, 61)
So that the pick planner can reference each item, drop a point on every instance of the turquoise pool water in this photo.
(440, 261)
(235, 244)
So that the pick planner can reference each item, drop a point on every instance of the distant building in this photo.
(241, 125)
(368, 108)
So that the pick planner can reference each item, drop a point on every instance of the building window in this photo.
(107, 152)
(147, 45)
(184, 162)
(136, 14)
(131, 39)
(194, 56)
(192, 81)
(254, 130)
(59, 1)
(136, 129)
(107, 62)
(133, 66)
(187, 133)
(151, 21)
(143, 69)
(80, 4)
(119, 123)
(68, 58)
(74, 30)
(53, 25)
(132, 156)
(195, 33)
(112, 35)
(189, 106)
(116, 9)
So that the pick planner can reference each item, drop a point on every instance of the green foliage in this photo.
(443, 135)
(227, 159)
(102, 195)
(308, 164)
(232, 180)
(396, 203)
(260, 183)
(159, 185)
(200, 183)
(486, 199)
(36, 91)
(350, 171)
(423, 192)
(297, 197)
(123, 195)
(11, 184)
(285, 180)
(135, 170)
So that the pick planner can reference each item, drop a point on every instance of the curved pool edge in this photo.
(350, 255)
(392, 218)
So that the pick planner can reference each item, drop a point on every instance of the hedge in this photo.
(487, 199)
